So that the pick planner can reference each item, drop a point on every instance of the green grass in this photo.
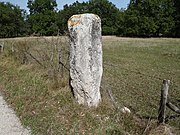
(133, 69)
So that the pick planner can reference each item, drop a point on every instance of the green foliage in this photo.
(177, 18)
(142, 18)
(11, 20)
(40, 6)
(149, 18)
(67, 12)
(42, 18)
(109, 14)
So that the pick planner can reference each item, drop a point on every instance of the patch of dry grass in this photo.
(133, 69)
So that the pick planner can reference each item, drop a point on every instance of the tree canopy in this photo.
(108, 12)
(149, 18)
(11, 20)
(42, 18)
(142, 18)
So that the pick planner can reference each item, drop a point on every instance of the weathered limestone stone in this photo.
(86, 58)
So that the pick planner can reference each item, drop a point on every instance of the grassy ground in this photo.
(133, 69)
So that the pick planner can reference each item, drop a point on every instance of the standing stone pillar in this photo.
(85, 58)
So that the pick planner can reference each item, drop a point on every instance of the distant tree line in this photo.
(142, 18)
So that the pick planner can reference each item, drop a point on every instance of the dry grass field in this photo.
(36, 85)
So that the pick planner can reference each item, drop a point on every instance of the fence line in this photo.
(165, 102)
(133, 71)
(137, 72)
(63, 64)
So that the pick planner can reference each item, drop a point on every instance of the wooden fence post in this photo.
(2, 46)
(173, 107)
(163, 101)
(60, 66)
(12, 47)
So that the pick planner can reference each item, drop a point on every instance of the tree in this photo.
(130, 21)
(110, 15)
(40, 6)
(68, 11)
(177, 18)
(42, 18)
(11, 20)
(149, 18)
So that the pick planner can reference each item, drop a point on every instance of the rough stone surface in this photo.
(86, 58)
(9, 122)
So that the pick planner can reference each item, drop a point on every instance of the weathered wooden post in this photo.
(173, 107)
(163, 101)
(85, 58)
(12, 47)
(2, 46)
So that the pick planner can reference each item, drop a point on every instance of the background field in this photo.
(37, 86)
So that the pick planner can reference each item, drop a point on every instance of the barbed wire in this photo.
(133, 71)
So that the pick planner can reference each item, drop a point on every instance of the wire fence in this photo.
(133, 88)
